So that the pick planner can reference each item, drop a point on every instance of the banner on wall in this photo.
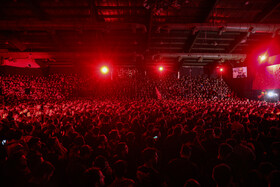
(239, 72)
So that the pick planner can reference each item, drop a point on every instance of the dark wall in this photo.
(41, 71)
(21, 71)
(194, 71)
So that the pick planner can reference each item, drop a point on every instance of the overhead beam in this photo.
(62, 54)
(209, 49)
(141, 15)
(47, 25)
(167, 47)
(226, 27)
(179, 38)
(242, 37)
(267, 11)
(42, 26)
(37, 10)
(192, 38)
(226, 56)
(190, 42)
(193, 64)
(121, 7)
(258, 19)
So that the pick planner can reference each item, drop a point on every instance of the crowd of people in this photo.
(193, 87)
(39, 88)
(147, 132)
(61, 86)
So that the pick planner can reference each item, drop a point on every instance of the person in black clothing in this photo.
(147, 175)
(181, 169)
(222, 175)
(93, 177)
(120, 169)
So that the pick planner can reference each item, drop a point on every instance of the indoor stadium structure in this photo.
(140, 93)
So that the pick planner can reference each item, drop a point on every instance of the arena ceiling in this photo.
(187, 32)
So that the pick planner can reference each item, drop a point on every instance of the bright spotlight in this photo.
(272, 94)
(263, 57)
(160, 68)
(221, 69)
(104, 70)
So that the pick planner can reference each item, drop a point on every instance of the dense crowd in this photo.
(168, 87)
(60, 86)
(24, 87)
(194, 134)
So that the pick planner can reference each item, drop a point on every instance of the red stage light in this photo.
(160, 68)
(221, 69)
(262, 58)
(104, 70)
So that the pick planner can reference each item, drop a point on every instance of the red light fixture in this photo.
(263, 57)
(161, 68)
(104, 70)
(221, 69)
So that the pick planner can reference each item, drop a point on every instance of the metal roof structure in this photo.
(192, 32)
